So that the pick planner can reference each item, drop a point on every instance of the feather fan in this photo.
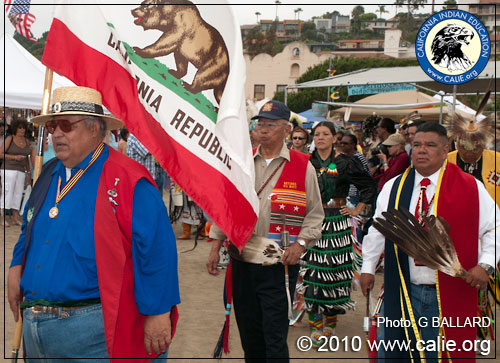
(428, 243)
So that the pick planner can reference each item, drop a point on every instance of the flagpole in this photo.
(47, 90)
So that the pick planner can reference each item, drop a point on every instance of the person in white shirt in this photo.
(420, 303)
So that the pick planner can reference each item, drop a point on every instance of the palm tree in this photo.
(277, 2)
(396, 5)
(381, 9)
(357, 11)
(298, 11)
(258, 14)
(355, 22)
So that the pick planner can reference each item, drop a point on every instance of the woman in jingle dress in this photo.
(328, 271)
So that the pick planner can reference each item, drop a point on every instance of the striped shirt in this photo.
(137, 151)
(353, 191)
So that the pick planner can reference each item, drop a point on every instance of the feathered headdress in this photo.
(468, 132)
(370, 125)
(411, 117)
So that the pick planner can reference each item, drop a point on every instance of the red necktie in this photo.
(422, 207)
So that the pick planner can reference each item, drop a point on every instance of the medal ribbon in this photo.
(71, 183)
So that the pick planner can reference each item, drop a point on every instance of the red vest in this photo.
(459, 205)
(124, 325)
(288, 198)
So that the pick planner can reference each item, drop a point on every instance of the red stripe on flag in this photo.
(211, 190)
(22, 24)
(8, 5)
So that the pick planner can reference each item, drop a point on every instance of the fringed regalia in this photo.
(328, 272)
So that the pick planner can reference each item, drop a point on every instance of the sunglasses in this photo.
(298, 138)
(64, 125)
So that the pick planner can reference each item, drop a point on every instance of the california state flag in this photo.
(174, 73)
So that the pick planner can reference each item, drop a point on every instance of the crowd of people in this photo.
(92, 269)
(359, 179)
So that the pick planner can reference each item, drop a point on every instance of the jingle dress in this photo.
(328, 270)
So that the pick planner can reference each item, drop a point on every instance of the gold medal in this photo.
(53, 212)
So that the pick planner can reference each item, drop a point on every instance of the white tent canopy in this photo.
(23, 77)
(402, 75)
(396, 105)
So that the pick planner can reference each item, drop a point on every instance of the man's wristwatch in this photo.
(302, 242)
(489, 269)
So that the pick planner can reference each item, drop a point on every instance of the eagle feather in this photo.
(428, 243)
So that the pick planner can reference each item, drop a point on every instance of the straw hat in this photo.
(78, 101)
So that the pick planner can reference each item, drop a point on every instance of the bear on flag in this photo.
(177, 82)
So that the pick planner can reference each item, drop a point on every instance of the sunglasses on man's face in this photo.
(298, 138)
(64, 125)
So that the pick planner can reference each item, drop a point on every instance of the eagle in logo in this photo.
(447, 47)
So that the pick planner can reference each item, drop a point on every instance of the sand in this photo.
(202, 313)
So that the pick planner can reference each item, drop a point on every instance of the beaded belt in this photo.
(53, 310)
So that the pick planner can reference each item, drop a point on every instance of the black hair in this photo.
(354, 139)
(124, 133)
(433, 127)
(388, 124)
(416, 123)
(328, 124)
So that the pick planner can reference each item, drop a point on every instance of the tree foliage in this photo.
(357, 11)
(408, 25)
(473, 102)
(35, 48)
(302, 99)
(411, 5)
(449, 4)
(309, 32)
(257, 42)
(368, 17)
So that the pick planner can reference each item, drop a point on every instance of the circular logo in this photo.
(453, 47)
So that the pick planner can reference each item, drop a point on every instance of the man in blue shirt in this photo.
(98, 275)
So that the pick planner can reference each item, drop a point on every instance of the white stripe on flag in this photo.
(207, 153)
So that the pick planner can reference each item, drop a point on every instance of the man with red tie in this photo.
(416, 295)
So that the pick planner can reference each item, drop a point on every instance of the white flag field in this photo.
(174, 73)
